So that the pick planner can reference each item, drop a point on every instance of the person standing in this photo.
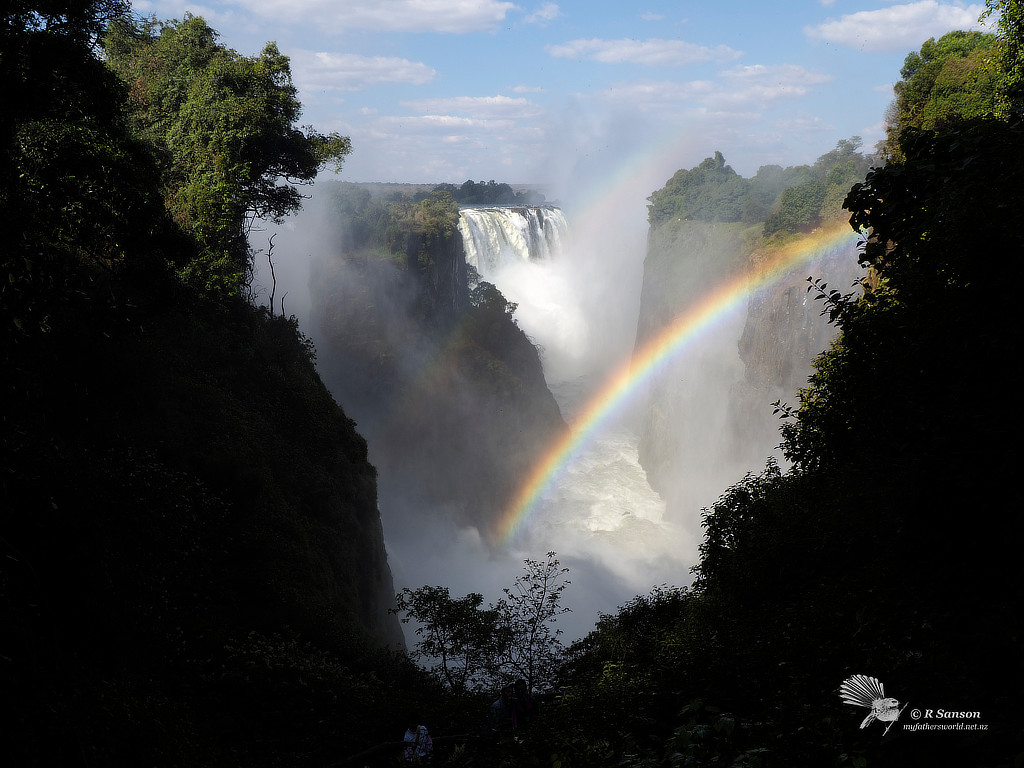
(418, 744)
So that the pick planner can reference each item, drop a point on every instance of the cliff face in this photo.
(190, 538)
(710, 417)
(227, 401)
(440, 263)
(448, 390)
(709, 412)
(783, 333)
(684, 260)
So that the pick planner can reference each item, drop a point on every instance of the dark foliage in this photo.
(192, 567)
(884, 550)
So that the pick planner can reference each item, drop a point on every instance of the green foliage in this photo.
(942, 233)
(393, 225)
(859, 556)
(431, 221)
(951, 79)
(818, 196)
(799, 209)
(78, 193)
(489, 193)
(789, 200)
(197, 484)
(462, 637)
(1010, 57)
(528, 614)
(712, 191)
(223, 125)
(82, 21)
(191, 568)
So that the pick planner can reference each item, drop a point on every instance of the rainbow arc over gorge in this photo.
(671, 341)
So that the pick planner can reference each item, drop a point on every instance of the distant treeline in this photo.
(794, 199)
(962, 75)
(490, 193)
(375, 219)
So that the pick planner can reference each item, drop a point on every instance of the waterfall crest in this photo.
(496, 237)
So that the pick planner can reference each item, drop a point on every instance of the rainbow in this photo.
(671, 341)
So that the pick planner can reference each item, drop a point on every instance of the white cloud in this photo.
(486, 107)
(427, 123)
(790, 75)
(529, 89)
(456, 16)
(544, 14)
(804, 124)
(898, 27)
(738, 91)
(649, 95)
(649, 16)
(741, 89)
(322, 71)
(653, 52)
(760, 84)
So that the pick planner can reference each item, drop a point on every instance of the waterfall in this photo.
(496, 237)
(601, 515)
(525, 251)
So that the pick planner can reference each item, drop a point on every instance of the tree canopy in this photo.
(949, 80)
(787, 200)
(471, 648)
(224, 126)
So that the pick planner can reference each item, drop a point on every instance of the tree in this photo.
(471, 647)
(77, 191)
(818, 196)
(950, 79)
(459, 637)
(84, 21)
(223, 125)
(528, 613)
(712, 191)
(1010, 27)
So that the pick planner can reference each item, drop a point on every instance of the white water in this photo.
(496, 237)
(578, 296)
(578, 301)
(600, 510)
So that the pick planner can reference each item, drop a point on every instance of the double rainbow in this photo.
(629, 377)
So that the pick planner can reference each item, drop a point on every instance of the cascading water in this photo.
(602, 509)
(496, 237)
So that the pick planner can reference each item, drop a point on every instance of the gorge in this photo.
(471, 351)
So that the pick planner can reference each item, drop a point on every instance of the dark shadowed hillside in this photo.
(191, 557)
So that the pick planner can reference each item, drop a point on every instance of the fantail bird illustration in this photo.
(864, 691)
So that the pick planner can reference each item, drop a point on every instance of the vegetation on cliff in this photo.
(787, 200)
(490, 193)
(192, 559)
(224, 128)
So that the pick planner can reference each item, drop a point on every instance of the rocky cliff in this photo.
(709, 417)
(447, 388)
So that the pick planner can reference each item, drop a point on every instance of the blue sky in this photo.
(581, 91)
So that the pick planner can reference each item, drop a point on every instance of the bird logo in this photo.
(864, 691)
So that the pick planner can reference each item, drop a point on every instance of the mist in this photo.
(617, 535)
